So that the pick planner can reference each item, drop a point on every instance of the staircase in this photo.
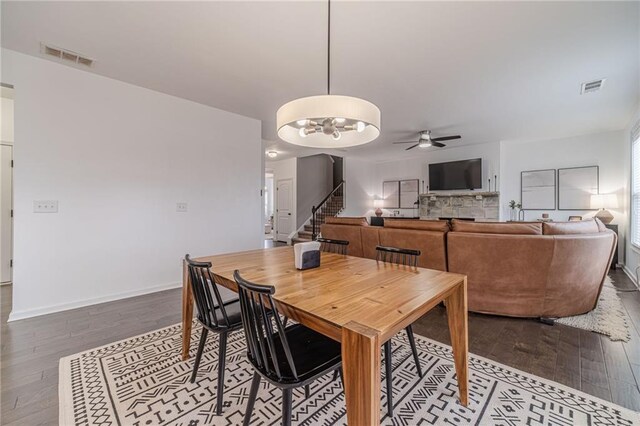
(331, 206)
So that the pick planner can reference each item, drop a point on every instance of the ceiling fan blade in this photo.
(411, 147)
(405, 142)
(445, 138)
(437, 144)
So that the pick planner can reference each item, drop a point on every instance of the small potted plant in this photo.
(515, 207)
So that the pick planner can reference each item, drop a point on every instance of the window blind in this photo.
(635, 187)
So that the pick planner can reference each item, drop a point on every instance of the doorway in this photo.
(6, 186)
(269, 228)
(284, 206)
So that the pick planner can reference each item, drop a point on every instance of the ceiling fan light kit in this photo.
(328, 121)
(425, 140)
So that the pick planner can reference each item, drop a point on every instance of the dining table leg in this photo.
(361, 369)
(458, 326)
(187, 311)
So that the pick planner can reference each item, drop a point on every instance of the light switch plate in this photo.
(181, 207)
(45, 206)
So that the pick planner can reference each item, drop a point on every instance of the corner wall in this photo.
(118, 158)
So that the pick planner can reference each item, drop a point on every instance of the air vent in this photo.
(66, 55)
(592, 86)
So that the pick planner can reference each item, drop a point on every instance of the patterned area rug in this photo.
(141, 381)
(608, 318)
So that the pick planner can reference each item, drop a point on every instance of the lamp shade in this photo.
(355, 121)
(604, 201)
(378, 203)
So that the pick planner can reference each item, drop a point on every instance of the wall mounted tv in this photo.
(466, 174)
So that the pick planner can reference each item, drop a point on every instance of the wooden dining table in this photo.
(359, 302)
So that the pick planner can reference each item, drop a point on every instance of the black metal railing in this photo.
(328, 207)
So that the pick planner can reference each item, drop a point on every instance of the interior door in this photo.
(284, 207)
(6, 219)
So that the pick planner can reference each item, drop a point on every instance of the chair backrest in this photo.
(258, 310)
(206, 294)
(333, 246)
(399, 256)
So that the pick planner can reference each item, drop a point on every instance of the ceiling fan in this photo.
(426, 140)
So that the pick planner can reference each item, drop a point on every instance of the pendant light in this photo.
(328, 121)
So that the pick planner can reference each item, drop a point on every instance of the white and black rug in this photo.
(609, 317)
(142, 381)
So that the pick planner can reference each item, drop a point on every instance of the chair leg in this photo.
(196, 364)
(253, 394)
(306, 391)
(335, 375)
(286, 407)
(341, 376)
(412, 343)
(222, 355)
(388, 368)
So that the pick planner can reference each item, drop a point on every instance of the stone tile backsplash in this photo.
(433, 206)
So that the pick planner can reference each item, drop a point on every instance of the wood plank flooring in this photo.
(31, 348)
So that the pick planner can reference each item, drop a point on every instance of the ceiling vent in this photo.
(592, 86)
(66, 55)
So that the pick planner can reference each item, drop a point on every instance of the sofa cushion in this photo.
(425, 225)
(528, 228)
(577, 227)
(358, 221)
(349, 233)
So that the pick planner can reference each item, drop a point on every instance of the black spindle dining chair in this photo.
(215, 315)
(333, 246)
(406, 257)
(288, 357)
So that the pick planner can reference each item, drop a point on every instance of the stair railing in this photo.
(319, 211)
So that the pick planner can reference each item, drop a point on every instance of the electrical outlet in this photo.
(181, 207)
(45, 206)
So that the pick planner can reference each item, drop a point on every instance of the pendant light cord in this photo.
(328, 47)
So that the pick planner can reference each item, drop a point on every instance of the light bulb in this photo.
(272, 154)
(360, 126)
(424, 143)
(336, 135)
(340, 120)
(303, 132)
(301, 122)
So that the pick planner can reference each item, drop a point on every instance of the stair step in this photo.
(296, 240)
(305, 234)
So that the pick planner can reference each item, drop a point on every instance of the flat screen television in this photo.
(466, 174)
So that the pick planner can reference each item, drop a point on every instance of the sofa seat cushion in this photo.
(527, 228)
(568, 228)
(357, 221)
(425, 225)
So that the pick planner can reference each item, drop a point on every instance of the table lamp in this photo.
(604, 202)
(377, 203)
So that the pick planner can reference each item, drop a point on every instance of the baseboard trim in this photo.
(30, 313)
(630, 274)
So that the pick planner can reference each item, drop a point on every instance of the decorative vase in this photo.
(513, 216)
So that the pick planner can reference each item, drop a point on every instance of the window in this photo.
(635, 189)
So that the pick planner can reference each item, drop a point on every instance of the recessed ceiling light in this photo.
(272, 154)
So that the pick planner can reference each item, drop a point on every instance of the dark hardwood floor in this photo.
(31, 348)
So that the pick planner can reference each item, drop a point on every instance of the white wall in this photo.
(6, 120)
(418, 167)
(284, 169)
(606, 150)
(117, 158)
(359, 190)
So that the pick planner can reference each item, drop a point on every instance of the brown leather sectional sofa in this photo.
(527, 269)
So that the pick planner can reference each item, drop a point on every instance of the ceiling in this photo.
(489, 71)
